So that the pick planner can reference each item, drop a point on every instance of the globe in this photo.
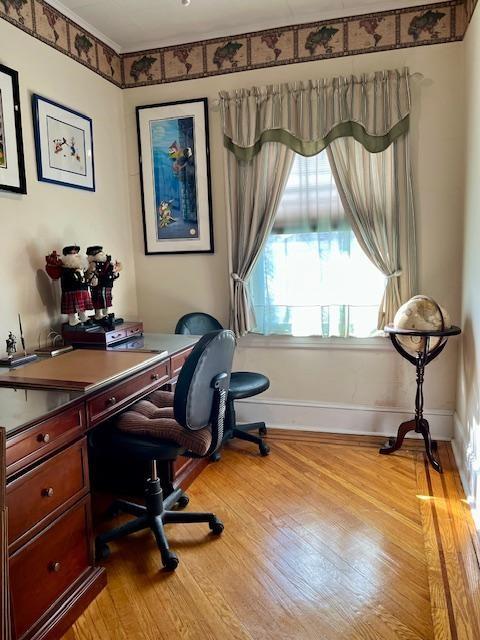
(424, 314)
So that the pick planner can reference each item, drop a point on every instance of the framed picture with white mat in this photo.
(63, 145)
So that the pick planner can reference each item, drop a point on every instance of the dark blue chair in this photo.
(189, 422)
(243, 384)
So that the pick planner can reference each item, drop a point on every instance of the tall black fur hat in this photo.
(71, 248)
(94, 249)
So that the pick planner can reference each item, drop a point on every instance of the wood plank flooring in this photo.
(324, 539)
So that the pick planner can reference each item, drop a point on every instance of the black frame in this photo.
(22, 188)
(209, 179)
(38, 154)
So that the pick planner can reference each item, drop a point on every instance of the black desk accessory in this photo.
(102, 334)
(13, 359)
(419, 424)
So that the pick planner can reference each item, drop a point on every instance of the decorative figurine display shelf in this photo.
(422, 358)
(100, 337)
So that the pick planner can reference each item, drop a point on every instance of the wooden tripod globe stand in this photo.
(419, 424)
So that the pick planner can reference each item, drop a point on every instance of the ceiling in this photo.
(132, 25)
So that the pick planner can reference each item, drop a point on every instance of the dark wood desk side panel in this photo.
(187, 470)
(59, 560)
(55, 624)
(177, 360)
(4, 590)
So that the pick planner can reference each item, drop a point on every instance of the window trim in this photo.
(259, 341)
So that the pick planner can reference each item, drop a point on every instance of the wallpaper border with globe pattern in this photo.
(437, 23)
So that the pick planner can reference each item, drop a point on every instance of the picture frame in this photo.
(12, 162)
(63, 145)
(175, 180)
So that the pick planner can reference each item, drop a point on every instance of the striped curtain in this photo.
(307, 116)
(264, 127)
(376, 193)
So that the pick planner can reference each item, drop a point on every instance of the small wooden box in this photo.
(100, 337)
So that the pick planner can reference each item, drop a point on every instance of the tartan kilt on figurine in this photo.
(76, 301)
(101, 297)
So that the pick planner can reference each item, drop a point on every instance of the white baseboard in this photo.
(335, 418)
(467, 467)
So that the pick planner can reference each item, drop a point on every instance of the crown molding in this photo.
(439, 23)
(305, 17)
(55, 25)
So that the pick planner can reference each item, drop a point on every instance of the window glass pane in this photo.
(313, 278)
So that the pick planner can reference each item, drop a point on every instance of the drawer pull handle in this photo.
(111, 401)
(48, 493)
(155, 376)
(44, 437)
(55, 567)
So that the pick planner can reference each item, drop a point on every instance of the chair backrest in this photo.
(202, 386)
(197, 324)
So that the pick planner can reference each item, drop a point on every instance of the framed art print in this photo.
(12, 164)
(63, 145)
(175, 177)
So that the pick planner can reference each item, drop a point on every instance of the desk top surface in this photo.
(169, 342)
(82, 369)
(22, 406)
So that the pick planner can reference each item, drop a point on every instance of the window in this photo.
(312, 277)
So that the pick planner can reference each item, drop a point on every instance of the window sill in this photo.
(255, 340)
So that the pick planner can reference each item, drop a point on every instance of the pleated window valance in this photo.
(307, 116)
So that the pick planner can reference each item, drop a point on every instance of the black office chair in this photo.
(189, 422)
(243, 384)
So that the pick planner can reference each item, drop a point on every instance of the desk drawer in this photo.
(178, 361)
(134, 330)
(45, 568)
(43, 438)
(113, 336)
(110, 402)
(44, 490)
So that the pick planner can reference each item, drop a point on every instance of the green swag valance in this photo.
(307, 116)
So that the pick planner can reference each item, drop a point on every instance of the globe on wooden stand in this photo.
(419, 333)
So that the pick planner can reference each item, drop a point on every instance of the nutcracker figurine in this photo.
(76, 299)
(102, 272)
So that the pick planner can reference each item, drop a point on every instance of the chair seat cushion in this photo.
(145, 418)
(130, 445)
(244, 384)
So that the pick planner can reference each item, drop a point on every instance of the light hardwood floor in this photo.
(324, 539)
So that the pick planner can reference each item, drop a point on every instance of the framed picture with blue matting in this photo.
(175, 177)
(63, 145)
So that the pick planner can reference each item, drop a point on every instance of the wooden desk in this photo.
(53, 576)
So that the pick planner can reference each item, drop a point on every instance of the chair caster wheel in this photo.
(216, 527)
(215, 457)
(264, 449)
(262, 431)
(102, 551)
(183, 501)
(170, 561)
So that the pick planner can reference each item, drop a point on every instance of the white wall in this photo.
(50, 216)
(467, 423)
(169, 286)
